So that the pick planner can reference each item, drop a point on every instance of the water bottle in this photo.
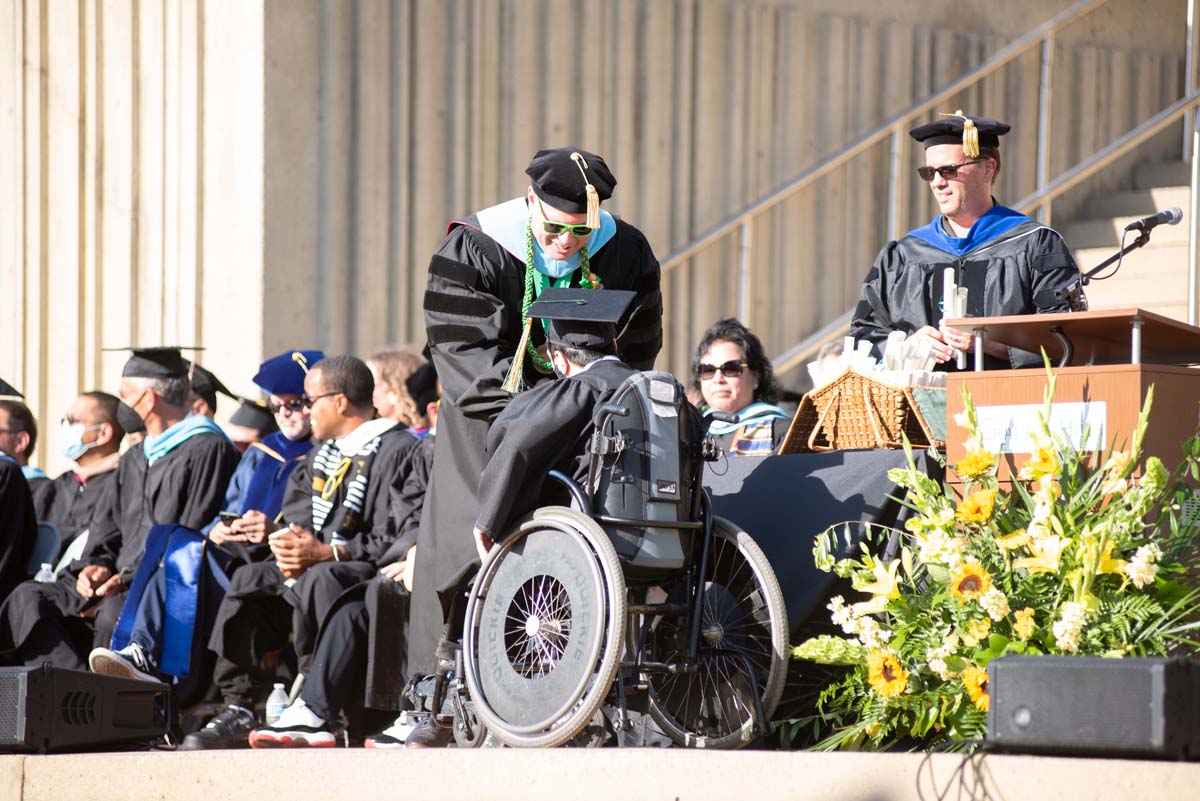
(45, 574)
(277, 701)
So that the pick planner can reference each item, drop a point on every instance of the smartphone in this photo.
(228, 517)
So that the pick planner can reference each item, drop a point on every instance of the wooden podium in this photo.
(1123, 352)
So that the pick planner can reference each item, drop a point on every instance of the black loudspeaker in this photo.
(47, 709)
(1145, 708)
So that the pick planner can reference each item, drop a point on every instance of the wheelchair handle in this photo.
(609, 409)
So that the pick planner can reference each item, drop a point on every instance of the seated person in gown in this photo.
(18, 519)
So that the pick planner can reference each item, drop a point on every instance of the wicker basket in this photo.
(856, 411)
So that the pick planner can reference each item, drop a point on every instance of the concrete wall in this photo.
(251, 176)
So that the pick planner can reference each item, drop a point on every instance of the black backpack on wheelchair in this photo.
(635, 588)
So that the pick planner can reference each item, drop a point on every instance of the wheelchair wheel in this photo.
(745, 622)
(544, 629)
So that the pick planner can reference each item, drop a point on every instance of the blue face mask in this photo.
(70, 439)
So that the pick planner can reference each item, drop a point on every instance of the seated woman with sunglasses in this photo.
(255, 493)
(1008, 263)
(733, 375)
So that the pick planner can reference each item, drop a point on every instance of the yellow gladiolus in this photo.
(1042, 462)
(1014, 540)
(1023, 623)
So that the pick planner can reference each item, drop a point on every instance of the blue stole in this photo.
(997, 221)
(4, 457)
(158, 447)
(264, 491)
(181, 552)
(755, 412)
(30, 472)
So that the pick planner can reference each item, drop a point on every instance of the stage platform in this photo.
(581, 775)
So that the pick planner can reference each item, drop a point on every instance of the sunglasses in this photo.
(556, 228)
(292, 406)
(308, 402)
(730, 369)
(948, 171)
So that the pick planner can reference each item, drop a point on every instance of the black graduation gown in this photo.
(186, 486)
(543, 429)
(75, 503)
(1014, 273)
(42, 489)
(473, 323)
(18, 526)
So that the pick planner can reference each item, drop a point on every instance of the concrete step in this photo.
(1138, 202)
(1164, 173)
(1107, 232)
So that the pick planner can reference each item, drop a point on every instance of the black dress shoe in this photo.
(229, 729)
(428, 734)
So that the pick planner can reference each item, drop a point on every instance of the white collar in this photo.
(359, 437)
(590, 365)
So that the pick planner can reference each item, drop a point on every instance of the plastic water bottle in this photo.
(277, 701)
(45, 574)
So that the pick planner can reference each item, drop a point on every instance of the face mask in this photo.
(70, 440)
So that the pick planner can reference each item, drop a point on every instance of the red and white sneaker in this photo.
(297, 727)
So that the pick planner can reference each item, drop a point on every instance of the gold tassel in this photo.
(593, 197)
(513, 380)
(299, 359)
(970, 140)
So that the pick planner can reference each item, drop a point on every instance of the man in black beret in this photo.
(485, 347)
(1007, 262)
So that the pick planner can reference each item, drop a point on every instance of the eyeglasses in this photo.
(308, 402)
(292, 406)
(730, 369)
(948, 171)
(556, 228)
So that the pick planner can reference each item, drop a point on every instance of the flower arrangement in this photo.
(1079, 557)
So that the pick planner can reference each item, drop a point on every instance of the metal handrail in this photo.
(1107, 155)
(1003, 56)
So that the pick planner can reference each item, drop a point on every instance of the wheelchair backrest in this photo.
(646, 466)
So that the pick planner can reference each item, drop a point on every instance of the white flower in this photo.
(872, 634)
(1069, 626)
(937, 657)
(841, 613)
(938, 666)
(995, 603)
(866, 629)
(939, 548)
(1143, 567)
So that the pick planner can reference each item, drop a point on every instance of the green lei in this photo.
(532, 276)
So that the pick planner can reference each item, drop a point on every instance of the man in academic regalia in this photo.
(177, 475)
(1008, 263)
(254, 499)
(18, 438)
(90, 436)
(18, 521)
(485, 347)
(337, 511)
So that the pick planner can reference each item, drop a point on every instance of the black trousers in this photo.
(43, 623)
(260, 612)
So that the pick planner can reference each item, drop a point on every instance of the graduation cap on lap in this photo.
(581, 318)
(7, 390)
(961, 129)
(257, 416)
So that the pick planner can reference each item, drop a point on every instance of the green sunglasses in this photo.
(556, 228)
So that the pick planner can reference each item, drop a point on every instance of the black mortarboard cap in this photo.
(156, 362)
(128, 419)
(284, 374)
(422, 386)
(7, 390)
(563, 176)
(581, 318)
(961, 129)
(207, 385)
(254, 415)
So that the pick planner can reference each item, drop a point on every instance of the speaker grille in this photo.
(12, 708)
(78, 708)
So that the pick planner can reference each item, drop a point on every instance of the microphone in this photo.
(1170, 216)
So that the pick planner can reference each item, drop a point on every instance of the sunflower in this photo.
(886, 675)
(975, 463)
(976, 681)
(977, 507)
(969, 580)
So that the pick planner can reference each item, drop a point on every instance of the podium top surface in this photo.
(1100, 337)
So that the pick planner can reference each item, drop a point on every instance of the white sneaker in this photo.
(297, 727)
(130, 663)
(395, 735)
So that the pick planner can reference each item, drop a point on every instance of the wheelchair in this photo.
(634, 590)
